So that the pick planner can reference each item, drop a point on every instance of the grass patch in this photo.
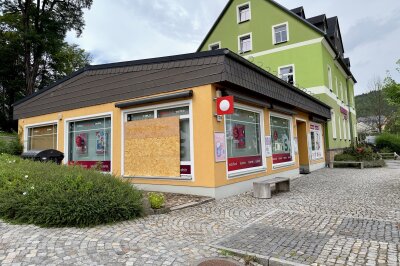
(50, 195)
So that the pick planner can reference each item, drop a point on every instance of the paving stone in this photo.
(331, 217)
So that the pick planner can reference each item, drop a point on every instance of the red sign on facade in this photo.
(225, 105)
(244, 162)
(281, 158)
(105, 165)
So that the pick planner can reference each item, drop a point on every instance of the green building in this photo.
(306, 52)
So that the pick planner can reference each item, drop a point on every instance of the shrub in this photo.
(361, 153)
(50, 195)
(12, 146)
(345, 157)
(374, 164)
(157, 200)
(388, 141)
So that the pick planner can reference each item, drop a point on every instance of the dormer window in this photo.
(245, 43)
(243, 12)
(280, 33)
(214, 46)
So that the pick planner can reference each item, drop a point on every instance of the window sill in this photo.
(277, 43)
(246, 173)
(244, 21)
(185, 178)
(283, 165)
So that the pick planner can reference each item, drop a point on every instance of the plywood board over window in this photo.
(152, 148)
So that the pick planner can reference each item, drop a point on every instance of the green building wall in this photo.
(304, 49)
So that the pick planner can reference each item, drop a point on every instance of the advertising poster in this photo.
(101, 140)
(239, 136)
(220, 147)
(268, 146)
(81, 142)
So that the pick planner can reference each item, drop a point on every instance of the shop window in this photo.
(281, 140)
(316, 141)
(184, 127)
(243, 136)
(42, 137)
(90, 143)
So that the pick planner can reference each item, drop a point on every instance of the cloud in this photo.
(124, 30)
(369, 29)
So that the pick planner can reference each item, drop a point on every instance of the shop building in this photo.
(154, 123)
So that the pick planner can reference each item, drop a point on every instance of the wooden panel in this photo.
(152, 148)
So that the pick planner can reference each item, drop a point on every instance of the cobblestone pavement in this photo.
(331, 217)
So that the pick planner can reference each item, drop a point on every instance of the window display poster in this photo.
(268, 146)
(220, 147)
(239, 136)
(281, 140)
(81, 143)
(101, 139)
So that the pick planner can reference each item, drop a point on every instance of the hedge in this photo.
(51, 195)
(389, 142)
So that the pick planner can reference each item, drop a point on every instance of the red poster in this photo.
(281, 158)
(244, 162)
(239, 136)
(81, 142)
(105, 165)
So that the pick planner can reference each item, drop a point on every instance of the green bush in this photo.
(50, 195)
(156, 200)
(361, 153)
(374, 164)
(388, 141)
(12, 146)
(345, 157)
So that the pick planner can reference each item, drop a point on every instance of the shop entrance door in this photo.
(304, 158)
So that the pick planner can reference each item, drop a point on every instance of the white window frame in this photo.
(238, 12)
(314, 156)
(337, 87)
(330, 79)
(341, 92)
(85, 118)
(344, 129)
(333, 121)
(239, 173)
(42, 124)
(340, 126)
(274, 42)
(155, 108)
(293, 73)
(290, 118)
(214, 44)
(240, 42)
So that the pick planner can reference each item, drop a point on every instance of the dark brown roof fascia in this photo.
(173, 96)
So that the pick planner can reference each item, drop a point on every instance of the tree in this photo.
(392, 94)
(33, 52)
(378, 112)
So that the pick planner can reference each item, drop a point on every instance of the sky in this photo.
(123, 30)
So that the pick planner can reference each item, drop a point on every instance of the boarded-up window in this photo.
(42, 138)
(152, 148)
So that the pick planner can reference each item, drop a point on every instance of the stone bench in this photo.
(262, 189)
(390, 155)
(359, 164)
